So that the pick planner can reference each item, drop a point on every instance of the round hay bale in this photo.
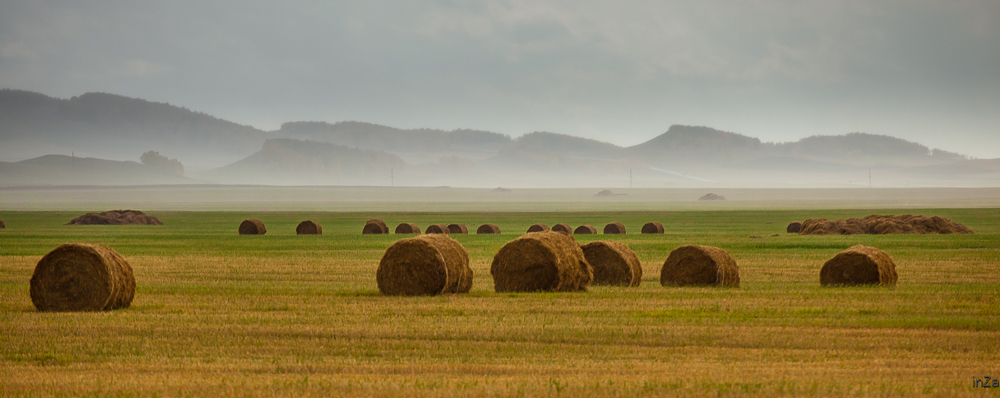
(613, 263)
(2, 225)
(541, 261)
(82, 277)
(564, 228)
(407, 228)
(488, 229)
(652, 228)
(697, 265)
(375, 227)
(859, 265)
(309, 227)
(538, 228)
(585, 229)
(457, 229)
(614, 228)
(252, 226)
(794, 227)
(436, 229)
(424, 265)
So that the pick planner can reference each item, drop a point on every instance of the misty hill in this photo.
(66, 170)
(115, 127)
(695, 143)
(567, 145)
(285, 161)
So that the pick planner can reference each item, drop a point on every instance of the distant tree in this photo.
(162, 163)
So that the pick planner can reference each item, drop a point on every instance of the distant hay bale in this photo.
(116, 217)
(711, 196)
(488, 229)
(613, 263)
(2, 225)
(500, 189)
(883, 224)
(252, 226)
(615, 228)
(652, 228)
(457, 229)
(794, 227)
(82, 277)
(541, 261)
(437, 229)
(308, 227)
(859, 265)
(407, 228)
(585, 229)
(564, 228)
(538, 228)
(605, 193)
(424, 265)
(375, 227)
(696, 265)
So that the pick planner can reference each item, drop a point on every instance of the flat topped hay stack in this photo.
(585, 229)
(541, 261)
(538, 228)
(309, 227)
(488, 229)
(82, 277)
(116, 217)
(375, 227)
(711, 196)
(614, 228)
(875, 224)
(407, 228)
(652, 228)
(564, 228)
(859, 265)
(613, 263)
(252, 226)
(457, 229)
(425, 265)
(436, 229)
(696, 265)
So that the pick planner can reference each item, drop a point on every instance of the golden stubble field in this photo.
(217, 314)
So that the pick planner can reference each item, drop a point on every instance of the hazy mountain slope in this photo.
(567, 145)
(65, 170)
(115, 127)
(285, 161)
(865, 149)
(685, 144)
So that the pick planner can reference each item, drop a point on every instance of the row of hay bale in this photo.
(378, 227)
(254, 226)
(876, 224)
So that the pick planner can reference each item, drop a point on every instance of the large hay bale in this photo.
(538, 228)
(375, 227)
(652, 228)
(613, 263)
(488, 229)
(859, 265)
(563, 227)
(116, 217)
(457, 229)
(82, 277)
(309, 227)
(883, 224)
(407, 228)
(585, 229)
(697, 265)
(424, 265)
(794, 227)
(252, 226)
(436, 229)
(614, 228)
(541, 261)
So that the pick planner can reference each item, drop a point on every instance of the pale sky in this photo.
(923, 70)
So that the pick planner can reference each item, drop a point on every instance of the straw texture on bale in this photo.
(794, 227)
(116, 217)
(424, 265)
(875, 224)
(375, 227)
(488, 229)
(696, 265)
(538, 228)
(652, 228)
(859, 265)
(436, 229)
(613, 263)
(82, 277)
(541, 261)
(407, 228)
(309, 227)
(457, 229)
(252, 226)
(585, 229)
(2, 225)
(614, 228)
(564, 228)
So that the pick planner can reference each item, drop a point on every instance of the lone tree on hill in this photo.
(162, 163)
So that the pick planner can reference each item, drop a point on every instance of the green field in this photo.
(218, 314)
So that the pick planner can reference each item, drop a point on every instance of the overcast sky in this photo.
(623, 72)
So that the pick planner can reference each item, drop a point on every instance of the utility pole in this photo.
(392, 177)
(869, 177)
(630, 178)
